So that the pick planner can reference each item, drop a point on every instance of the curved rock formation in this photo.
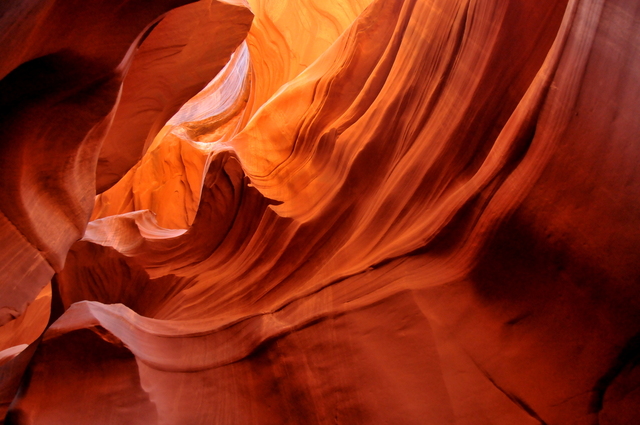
(60, 84)
(280, 46)
(178, 58)
(62, 67)
(432, 217)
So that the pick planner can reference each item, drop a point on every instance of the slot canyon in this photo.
(307, 212)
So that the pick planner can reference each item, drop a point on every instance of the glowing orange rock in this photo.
(178, 58)
(62, 65)
(284, 39)
(434, 222)
(61, 77)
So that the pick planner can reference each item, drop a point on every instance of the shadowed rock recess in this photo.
(320, 212)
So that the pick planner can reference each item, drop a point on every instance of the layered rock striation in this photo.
(408, 211)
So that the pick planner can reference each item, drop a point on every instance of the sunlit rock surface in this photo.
(62, 67)
(408, 212)
(284, 39)
(179, 57)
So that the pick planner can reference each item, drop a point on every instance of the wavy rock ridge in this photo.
(409, 211)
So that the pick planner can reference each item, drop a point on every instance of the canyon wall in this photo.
(387, 211)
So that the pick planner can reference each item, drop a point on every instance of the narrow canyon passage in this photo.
(320, 212)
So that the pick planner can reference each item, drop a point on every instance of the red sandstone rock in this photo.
(62, 67)
(62, 71)
(279, 46)
(178, 58)
(435, 222)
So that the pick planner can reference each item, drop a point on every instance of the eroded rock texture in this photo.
(404, 212)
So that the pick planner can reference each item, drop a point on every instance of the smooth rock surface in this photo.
(426, 214)
(178, 58)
